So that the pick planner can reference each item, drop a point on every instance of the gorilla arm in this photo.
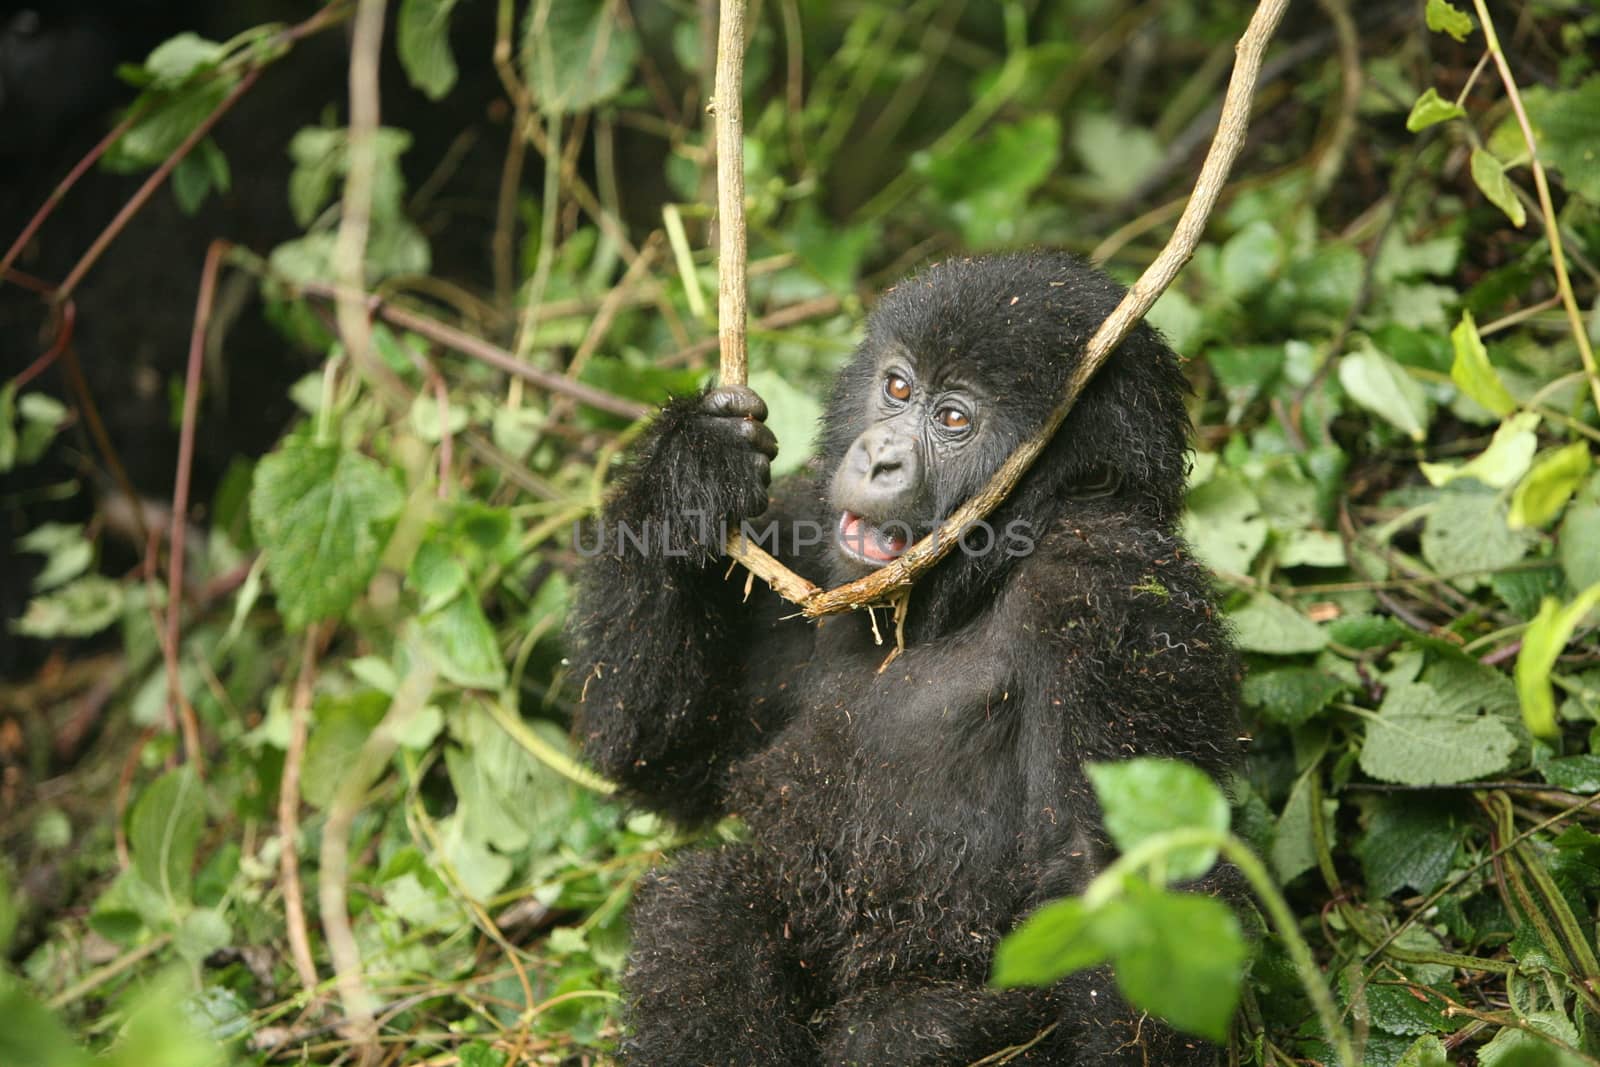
(662, 634)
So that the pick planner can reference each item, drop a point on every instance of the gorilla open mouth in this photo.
(871, 544)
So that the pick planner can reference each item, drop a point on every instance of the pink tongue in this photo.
(872, 542)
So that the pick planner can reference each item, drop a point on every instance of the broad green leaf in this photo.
(422, 36)
(1144, 797)
(79, 608)
(436, 574)
(1547, 488)
(1267, 624)
(32, 1034)
(1224, 524)
(163, 126)
(1514, 1047)
(1489, 175)
(1473, 373)
(342, 726)
(1428, 1051)
(1579, 534)
(986, 183)
(1565, 123)
(1576, 774)
(1117, 154)
(1466, 534)
(464, 642)
(576, 53)
(164, 832)
(1409, 843)
(176, 58)
(1293, 850)
(1249, 259)
(1383, 387)
(1052, 943)
(1506, 460)
(1291, 696)
(315, 511)
(67, 552)
(1432, 109)
(1414, 740)
(1444, 17)
(1180, 956)
(1401, 1009)
(202, 932)
(792, 416)
(1542, 642)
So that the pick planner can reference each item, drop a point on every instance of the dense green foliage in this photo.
(1396, 400)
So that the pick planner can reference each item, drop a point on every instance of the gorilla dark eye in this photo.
(953, 419)
(897, 388)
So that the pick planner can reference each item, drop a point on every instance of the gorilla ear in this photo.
(1102, 479)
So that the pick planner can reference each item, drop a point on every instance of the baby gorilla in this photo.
(902, 818)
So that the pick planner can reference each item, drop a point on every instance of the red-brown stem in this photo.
(180, 501)
(137, 201)
(60, 191)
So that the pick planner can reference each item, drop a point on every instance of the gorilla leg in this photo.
(712, 978)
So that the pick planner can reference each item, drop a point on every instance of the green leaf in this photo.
(164, 832)
(32, 1034)
(1444, 17)
(1401, 1009)
(1117, 154)
(1564, 124)
(1144, 797)
(1267, 624)
(1514, 1047)
(1415, 740)
(315, 511)
(1505, 461)
(1383, 387)
(1489, 175)
(1291, 696)
(1542, 642)
(576, 54)
(463, 640)
(164, 125)
(1428, 1051)
(422, 36)
(1224, 524)
(793, 415)
(986, 183)
(1472, 372)
(175, 59)
(1432, 109)
(1467, 534)
(1052, 943)
(1576, 774)
(341, 728)
(1547, 488)
(202, 932)
(1293, 850)
(1579, 533)
(1249, 259)
(1410, 842)
(1177, 955)
(77, 609)
(67, 552)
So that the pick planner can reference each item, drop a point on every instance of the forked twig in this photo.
(877, 587)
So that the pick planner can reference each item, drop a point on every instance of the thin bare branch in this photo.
(876, 587)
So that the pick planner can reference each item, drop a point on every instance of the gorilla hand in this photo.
(704, 468)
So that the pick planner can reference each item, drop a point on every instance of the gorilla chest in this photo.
(895, 800)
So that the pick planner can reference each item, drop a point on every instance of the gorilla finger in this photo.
(736, 401)
(758, 437)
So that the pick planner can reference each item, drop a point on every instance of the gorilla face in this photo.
(959, 365)
(929, 444)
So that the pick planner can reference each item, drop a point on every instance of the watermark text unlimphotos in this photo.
(789, 537)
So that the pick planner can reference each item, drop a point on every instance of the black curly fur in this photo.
(902, 822)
